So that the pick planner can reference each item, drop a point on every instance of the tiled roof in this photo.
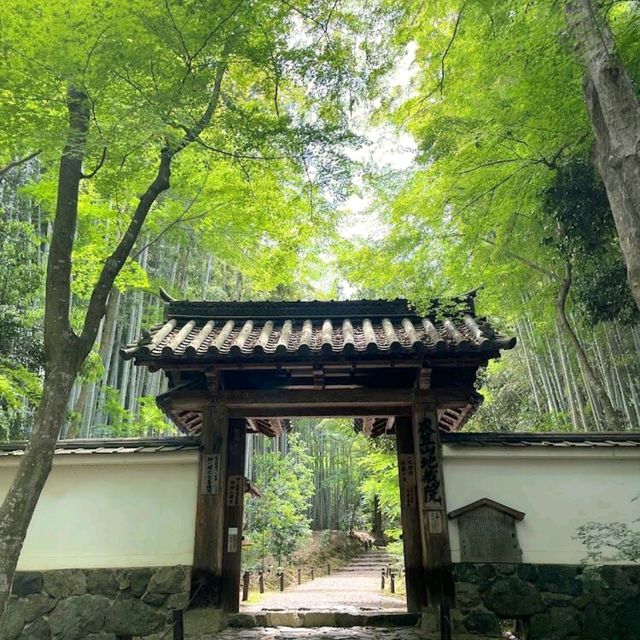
(600, 439)
(109, 446)
(220, 331)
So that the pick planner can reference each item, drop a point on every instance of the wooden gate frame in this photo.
(234, 366)
(217, 557)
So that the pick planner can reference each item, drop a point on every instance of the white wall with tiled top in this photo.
(111, 511)
(558, 488)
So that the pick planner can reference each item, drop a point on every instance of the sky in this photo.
(386, 149)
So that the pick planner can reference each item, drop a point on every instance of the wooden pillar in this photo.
(207, 558)
(410, 515)
(233, 514)
(436, 553)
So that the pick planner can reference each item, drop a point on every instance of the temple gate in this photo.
(238, 367)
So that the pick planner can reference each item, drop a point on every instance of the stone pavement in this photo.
(320, 633)
(354, 587)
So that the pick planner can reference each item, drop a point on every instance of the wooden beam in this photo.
(433, 509)
(310, 411)
(294, 399)
(410, 515)
(209, 539)
(320, 397)
(234, 509)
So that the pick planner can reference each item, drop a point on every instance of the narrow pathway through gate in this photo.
(354, 587)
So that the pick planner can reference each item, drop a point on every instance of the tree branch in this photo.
(524, 260)
(88, 176)
(235, 154)
(160, 183)
(57, 328)
(16, 163)
(439, 87)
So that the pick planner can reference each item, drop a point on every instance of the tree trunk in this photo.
(591, 379)
(20, 502)
(615, 118)
(377, 530)
(62, 351)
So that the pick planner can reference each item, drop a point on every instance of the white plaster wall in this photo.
(110, 510)
(558, 489)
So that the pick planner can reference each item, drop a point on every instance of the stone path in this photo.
(320, 633)
(355, 587)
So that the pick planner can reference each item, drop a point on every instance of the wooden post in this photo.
(207, 558)
(246, 577)
(233, 513)
(312, 577)
(299, 575)
(410, 515)
(178, 625)
(436, 554)
(328, 569)
(261, 582)
(392, 583)
(383, 575)
(281, 576)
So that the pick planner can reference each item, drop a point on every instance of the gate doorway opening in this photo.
(247, 367)
(322, 523)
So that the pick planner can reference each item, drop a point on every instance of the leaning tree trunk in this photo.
(20, 502)
(64, 350)
(63, 356)
(615, 118)
(589, 375)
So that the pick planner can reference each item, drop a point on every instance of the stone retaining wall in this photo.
(94, 604)
(555, 602)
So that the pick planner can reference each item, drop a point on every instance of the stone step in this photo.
(309, 619)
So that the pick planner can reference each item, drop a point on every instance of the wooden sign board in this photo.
(232, 539)
(210, 481)
(407, 470)
(235, 491)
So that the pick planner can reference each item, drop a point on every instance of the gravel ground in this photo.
(348, 591)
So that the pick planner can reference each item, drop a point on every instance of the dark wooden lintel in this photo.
(310, 411)
(336, 398)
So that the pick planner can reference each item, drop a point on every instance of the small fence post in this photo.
(178, 625)
(246, 577)
(312, 576)
(445, 622)
(328, 569)
(393, 582)
(299, 575)
(281, 575)
(383, 573)
(261, 582)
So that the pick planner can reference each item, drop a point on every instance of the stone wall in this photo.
(554, 602)
(94, 604)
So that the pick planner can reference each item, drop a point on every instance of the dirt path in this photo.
(355, 587)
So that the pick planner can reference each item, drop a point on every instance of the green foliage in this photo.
(380, 470)
(278, 521)
(147, 423)
(508, 402)
(581, 227)
(18, 387)
(491, 139)
(608, 541)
